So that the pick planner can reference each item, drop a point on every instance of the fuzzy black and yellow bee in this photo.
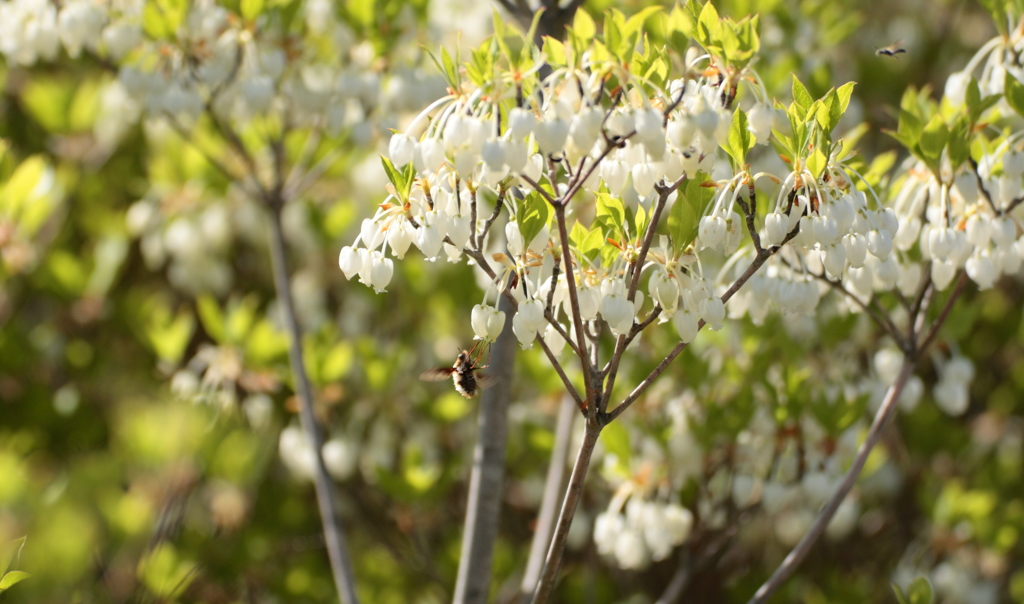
(463, 373)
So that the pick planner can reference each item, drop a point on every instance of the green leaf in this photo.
(13, 578)
(251, 9)
(740, 140)
(844, 93)
(532, 215)
(212, 318)
(959, 145)
(640, 220)
(800, 95)
(684, 217)
(583, 26)
(1013, 91)
(933, 138)
(11, 551)
(708, 28)
(909, 128)
(612, 207)
(920, 592)
(816, 162)
(902, 599)
(554, 51)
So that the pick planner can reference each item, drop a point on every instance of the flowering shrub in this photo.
(594, 201)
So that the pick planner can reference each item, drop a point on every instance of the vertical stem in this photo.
(485, 483)
(552, 487)
(572, 499)
(326, 493)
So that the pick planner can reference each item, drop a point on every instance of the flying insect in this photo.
(467, 382)
(892, 50)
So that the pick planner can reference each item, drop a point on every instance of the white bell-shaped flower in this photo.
(514, 238)
(979, 230)
(350, 261)
(528, 320)
(664, 290)
(493, 154)
(1004, 231)
(711, 230)
(776, 226)
(553, 339)
(712, 310)
(432, 154)
(956, 87)
(371, 234)
(401, 148)
(607, 527)
(759, 122)
(907, 233)
(909, 279)
(381, 270)
(459, 230)
(516, 154)
(856, 249)
(521, 122)
(1013, 163)
(614, 173)
(589, 299)
(430, 235)
(585, 127)
(952, 397)
(943, 272)
(551, 135)
(680, 131)
(400, 236)
(644, 178)
(982, 270)
(941, 243)
(648, 127)
(487, 322)
(618, 312)
(686, 323)
(834, 259)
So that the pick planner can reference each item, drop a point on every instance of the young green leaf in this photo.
(532, 215)
(1013, 91)
(933, 138)
(740, 140)
(920, 592)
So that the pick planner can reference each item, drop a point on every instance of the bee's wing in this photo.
(438, 374)
(486, 380)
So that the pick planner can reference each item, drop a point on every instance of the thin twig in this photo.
(944, 313)
(326, 493)
(549, 502)
(821, 522)
(572, 498)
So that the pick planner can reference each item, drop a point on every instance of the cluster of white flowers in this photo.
(647, 531)
(458, 149)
